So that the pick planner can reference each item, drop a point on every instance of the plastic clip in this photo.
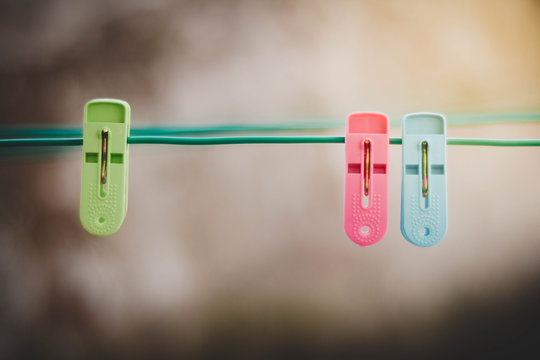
(104, 182)
(423, 187)
(366, 179)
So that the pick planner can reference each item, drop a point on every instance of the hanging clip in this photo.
(366, 179)
(423, 187)
(105, 165)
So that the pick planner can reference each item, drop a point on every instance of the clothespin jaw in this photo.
(366, 179)
(105, 159)
(424, 210)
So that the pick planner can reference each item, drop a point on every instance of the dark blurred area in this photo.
(239, 251)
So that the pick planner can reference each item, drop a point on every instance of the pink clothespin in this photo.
(366, 178)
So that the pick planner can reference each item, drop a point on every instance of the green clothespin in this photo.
(104, 184)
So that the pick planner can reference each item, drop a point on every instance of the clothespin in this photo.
(366, 179)
(104, 165)
(423, 193)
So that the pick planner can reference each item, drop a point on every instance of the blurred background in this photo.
(239, 251)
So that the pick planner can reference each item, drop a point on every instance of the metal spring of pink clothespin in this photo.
(366, 178)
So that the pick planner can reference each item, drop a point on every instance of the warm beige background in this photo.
(241, 249)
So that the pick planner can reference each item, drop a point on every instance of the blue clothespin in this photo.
(424, 212)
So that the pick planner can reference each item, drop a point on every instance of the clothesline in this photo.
(229, 140)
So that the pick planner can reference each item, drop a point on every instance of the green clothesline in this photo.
(291, 125)
(31, 136)
(172, 140)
